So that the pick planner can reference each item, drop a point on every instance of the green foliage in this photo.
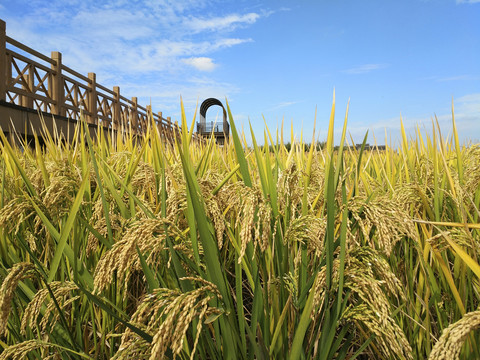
(141, 248)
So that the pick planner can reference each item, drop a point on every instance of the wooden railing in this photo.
(33, 80)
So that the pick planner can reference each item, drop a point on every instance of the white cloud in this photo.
(228, 22)
(225, 43)
(164, 55)
(363, 69)
(154, 50)
(121, 24)
(469, 99)
(166, 91)
(117, 41)
(283, 105)
(166, 96)
(201, 63)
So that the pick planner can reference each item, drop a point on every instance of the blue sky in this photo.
(275, 59)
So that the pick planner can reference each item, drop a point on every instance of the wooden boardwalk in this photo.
(32, 83)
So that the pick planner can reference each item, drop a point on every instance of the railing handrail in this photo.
(60, 90)
(208, 127)
(28, 49)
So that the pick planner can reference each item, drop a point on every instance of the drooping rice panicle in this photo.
(139, 247)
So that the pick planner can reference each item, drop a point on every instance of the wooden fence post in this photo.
(117, 116)
(58, 93)
(3, 61)
(27, 101)
(148, 118)
(134, 115)
(159, 125)
(92, 99)
(170, 127)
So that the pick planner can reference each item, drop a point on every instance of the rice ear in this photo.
(17, 273)
(449, 346)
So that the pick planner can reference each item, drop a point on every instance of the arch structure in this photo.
(220, 130)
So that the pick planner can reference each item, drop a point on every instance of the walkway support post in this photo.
(57, 90)
(92, 98)
(3, 60)
(134, 115)
(58, 94)
(27, 85)
(159, 125)
(117, 116)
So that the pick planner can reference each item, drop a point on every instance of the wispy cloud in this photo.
(165, 93)
(363, 69)
(121, 24)
(164, 43)
(201, 63)
(102, 39)
(283, 104)
(228, 22)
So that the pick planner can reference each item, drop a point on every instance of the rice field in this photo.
(134, 248)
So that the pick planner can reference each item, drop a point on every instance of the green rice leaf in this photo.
(62, 241)
(242, 161)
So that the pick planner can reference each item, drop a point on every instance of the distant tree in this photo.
(320, 145)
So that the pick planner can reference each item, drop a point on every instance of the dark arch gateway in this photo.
(219, 130)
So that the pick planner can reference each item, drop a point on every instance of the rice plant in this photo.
(137, 248)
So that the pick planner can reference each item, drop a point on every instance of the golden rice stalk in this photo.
(229, 197)
(370, 279)
(246, 221)
(138, 349)
(168, 314)
(14, 213)
(99, 223)
(291, 284)
(409, 195)
(23, 349)
(472, 181)
(309, 230)
(289, 189)
(64, 181)
(317, 178)
(214, 206)
(372, 264)
(143, 179)
(176, 196)
(63, 294)
(122, 258)
(450, 343)
(254, 217)
(16, 274)
(462, 238)
(390, 339)
(320, 286)
(263, 227)
(123, 253)
(388, 218)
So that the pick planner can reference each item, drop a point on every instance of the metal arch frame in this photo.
(206, 104)
(221, 132)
